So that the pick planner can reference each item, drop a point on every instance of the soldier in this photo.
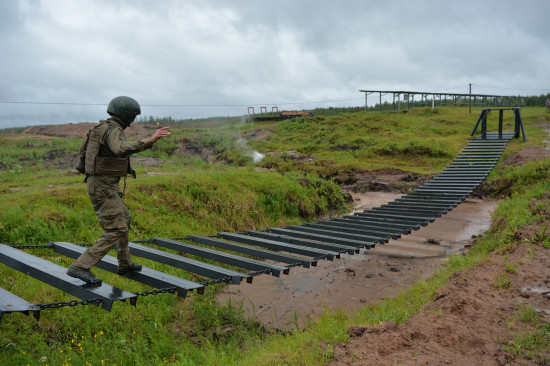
(105, 158)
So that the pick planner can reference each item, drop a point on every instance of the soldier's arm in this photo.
(121, 147)
(160, 133)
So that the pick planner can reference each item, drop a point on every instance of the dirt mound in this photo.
(80, 130)
(527, 154)
(477, 319)
(190, 147)
(384, 180)
(291, 155)
(258, 134)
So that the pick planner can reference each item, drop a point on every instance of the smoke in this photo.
(248, 151)
(257, 157)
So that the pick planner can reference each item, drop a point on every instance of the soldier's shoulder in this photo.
(114, 131)
(112, 124)
(106, 124)
(113, 128)
(105, 128)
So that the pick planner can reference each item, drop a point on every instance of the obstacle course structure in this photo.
(271, 251)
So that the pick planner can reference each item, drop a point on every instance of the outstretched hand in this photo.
(160, 133)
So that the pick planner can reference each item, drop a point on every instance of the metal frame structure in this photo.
(428, 99)
(518, 127)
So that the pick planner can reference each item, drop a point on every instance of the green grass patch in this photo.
(422, 141)
(533, 339)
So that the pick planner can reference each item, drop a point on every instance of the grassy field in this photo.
(187, 195)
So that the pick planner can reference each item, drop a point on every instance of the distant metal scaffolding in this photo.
(405, 100)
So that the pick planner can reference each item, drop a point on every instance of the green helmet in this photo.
(125, 108)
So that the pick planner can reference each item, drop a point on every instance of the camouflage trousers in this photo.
(113, 217)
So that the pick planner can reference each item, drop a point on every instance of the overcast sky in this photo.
(216, 58)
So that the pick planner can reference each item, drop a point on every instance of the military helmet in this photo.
(125, 108)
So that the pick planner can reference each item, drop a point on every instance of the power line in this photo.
(179, 105)
(500, 87)
(49, 103)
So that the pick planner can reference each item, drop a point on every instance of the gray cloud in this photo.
(246, 52)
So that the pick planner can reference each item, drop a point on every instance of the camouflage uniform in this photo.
(106, 197)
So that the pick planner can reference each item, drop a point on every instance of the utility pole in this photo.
(470, 98)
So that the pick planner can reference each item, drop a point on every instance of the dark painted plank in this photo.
(56, 276)
(147, 276)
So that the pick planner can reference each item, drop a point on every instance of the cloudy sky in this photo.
(64, 60)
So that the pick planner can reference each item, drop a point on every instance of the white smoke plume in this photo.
(253, 154)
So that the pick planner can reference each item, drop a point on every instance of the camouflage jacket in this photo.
(114, 145)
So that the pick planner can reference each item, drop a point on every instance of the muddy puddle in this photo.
(353, 281)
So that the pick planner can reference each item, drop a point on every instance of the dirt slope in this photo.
(472, 322)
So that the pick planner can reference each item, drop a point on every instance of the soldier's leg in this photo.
(106, 242)
(123, 252)
(111, 215)
(125, 263)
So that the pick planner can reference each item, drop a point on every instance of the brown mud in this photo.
(353, 281)
(384, 180)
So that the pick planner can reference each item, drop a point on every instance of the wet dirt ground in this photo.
(353, 281)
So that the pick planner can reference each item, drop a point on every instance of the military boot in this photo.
(84, 275)
(132, 267)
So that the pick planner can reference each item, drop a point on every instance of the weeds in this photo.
(528, 315)
(503, 282)
(529, 342)
(542, 237)
(511, 268)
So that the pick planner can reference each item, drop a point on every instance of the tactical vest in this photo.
(96, 158)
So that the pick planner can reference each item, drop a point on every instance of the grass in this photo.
(503, 282)
(423, 141)
(533, 338)
(200, 201)
(189, 196)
